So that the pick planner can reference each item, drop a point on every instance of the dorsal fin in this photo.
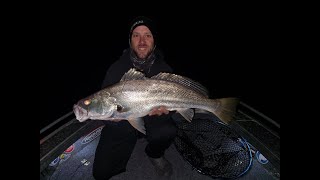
(183, 81)
(132, 74)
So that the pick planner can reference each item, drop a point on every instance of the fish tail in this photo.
(224, 108)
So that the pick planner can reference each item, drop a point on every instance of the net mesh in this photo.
(213, 148)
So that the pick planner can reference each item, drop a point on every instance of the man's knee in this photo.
(163, 133)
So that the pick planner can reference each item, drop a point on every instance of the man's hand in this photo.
(116, 120)
(159, 111)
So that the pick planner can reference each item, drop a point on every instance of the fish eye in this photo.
(87, 102)
(119, 108)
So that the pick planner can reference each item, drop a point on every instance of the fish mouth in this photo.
(80, 113)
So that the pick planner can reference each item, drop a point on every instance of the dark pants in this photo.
(117, 141)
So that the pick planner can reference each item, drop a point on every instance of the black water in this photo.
(231, 58)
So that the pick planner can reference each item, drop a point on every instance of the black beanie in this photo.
(142, 20)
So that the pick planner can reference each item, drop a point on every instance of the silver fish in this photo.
(135, 95)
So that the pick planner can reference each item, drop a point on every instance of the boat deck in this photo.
(67, 152)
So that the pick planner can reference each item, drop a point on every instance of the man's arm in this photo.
(113, 75)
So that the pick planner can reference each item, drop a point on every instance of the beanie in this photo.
(142, 20)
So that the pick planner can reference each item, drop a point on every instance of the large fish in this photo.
(135, 95)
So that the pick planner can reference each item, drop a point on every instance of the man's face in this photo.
(142, 41)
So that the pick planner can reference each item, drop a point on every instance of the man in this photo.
(118, 139)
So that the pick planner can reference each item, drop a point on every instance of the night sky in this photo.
(230, 56)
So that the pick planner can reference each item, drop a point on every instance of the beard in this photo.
(144, 53)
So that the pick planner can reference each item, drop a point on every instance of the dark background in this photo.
(231, 56)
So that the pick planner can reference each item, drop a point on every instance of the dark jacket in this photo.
(121, 66)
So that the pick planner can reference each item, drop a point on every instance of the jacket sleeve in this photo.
(116, 70)
(113, 75)
(107, 79)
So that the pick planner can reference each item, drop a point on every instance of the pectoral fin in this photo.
(138, 124)
(186, 113)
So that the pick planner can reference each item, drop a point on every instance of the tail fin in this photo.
(226, 109)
